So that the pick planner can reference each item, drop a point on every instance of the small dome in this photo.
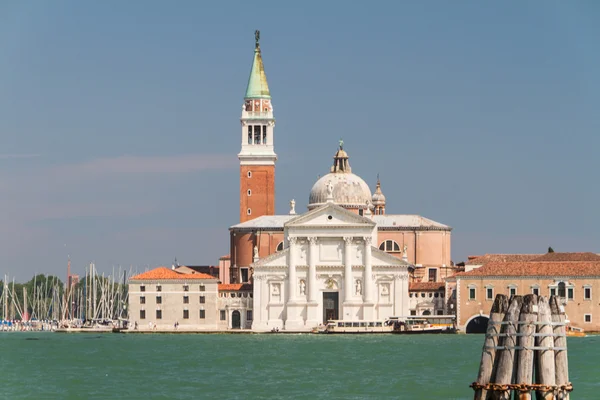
(378, 197)
(347, 190)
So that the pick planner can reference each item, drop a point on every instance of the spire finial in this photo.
(257, 38)
(341, 144)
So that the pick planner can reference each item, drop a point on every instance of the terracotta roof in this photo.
(481, 260)
(235, 286)
(568, 257)
(536, 268)
(426, 286)
(164, 273)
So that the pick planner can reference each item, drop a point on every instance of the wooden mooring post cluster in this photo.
(525, 350)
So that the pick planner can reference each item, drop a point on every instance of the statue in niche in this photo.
(329, 189)
(330, 283)
(276, 289)
(302, 287)
(385, 289)
(255, 252)
(358, 287)
(405, 251)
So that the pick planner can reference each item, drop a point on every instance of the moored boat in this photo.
(573, 331)
(425, 324)
(342, 326)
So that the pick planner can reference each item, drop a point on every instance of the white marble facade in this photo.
(328, 270)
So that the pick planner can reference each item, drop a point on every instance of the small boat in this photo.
(341, 326)
(573, 331)
(430, 324)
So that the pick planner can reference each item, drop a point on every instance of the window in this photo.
(472, 293)
(422, 294)
(432, 275)
(202, 288)
(570, 293)
(587, 318)
(202, 299)
(186, 288)
(535, 290)
(430, 294)
(159, 288)
(489, 293)
(223, 315)
(142, 288)
(186, 314)
(158, 300)
(249, 192)
(257, 134)
(436, 295)
(142, 299)
(279, 246)
(186, 299)
(587, 293)
(248, 211)
(440, 312)
(390, 246)
(244, 272)
(264, 141)
(158, 314)
(202, 314)
(413, 312)
(361, 212)
(249, 135)
(249, 174)
(552, 291)
(410, 295)
(561, 289)
(142, 314)
(249, 315)
(512, 290)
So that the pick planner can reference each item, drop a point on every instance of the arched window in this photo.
(389, 246)
(279, 246)
(561, 290)
(426, 312)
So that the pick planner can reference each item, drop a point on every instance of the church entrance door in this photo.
(236, 320)
(330, 306)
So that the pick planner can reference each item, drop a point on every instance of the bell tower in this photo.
(257, 157)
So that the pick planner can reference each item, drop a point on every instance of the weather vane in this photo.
(257, 37)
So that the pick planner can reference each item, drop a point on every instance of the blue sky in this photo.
(119, 121)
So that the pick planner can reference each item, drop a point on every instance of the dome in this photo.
(347, 190)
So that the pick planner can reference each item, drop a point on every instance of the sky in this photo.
(119, 122)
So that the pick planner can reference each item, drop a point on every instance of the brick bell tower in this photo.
(257, 157)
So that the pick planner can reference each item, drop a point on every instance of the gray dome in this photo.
(349, 191)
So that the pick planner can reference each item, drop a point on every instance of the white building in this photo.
(328, 269)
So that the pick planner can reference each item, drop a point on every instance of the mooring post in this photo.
(488, 354)
(545, 359)
(560, 343)
(527, 328)
(505, 359)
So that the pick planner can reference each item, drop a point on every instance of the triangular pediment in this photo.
(329, 215)
(277, 259)
(381, 258)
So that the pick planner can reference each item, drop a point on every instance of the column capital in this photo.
(312, 240)
(292, 240)
(368, 240)
(348, 240)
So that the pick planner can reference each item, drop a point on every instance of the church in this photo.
(344, 258)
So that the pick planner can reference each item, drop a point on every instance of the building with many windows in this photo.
(574, 277)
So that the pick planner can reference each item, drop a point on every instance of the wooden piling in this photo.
(560, 342)
(505, 359)
(545, 343)
(488, 355)
(525, 355)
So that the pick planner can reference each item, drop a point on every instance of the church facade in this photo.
(345, 258)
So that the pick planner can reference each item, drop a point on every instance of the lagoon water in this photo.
(159, 366)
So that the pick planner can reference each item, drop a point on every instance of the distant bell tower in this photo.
(257, 157)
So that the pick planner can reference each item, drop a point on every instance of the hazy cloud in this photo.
(15, 156)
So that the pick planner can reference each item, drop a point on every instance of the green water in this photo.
(111, 366)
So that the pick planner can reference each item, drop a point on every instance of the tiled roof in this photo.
(235, 286)
(569, 257)
(265, 222)
(426, 286)
(481, 260)
(535, 268)
(164, 273)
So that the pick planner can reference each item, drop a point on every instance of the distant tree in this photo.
(550, 250)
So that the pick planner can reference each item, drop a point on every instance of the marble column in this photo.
(292, 241)
(368, 277)
(348, 281)
(312, 269)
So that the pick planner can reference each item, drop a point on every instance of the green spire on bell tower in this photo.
(257, 83)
